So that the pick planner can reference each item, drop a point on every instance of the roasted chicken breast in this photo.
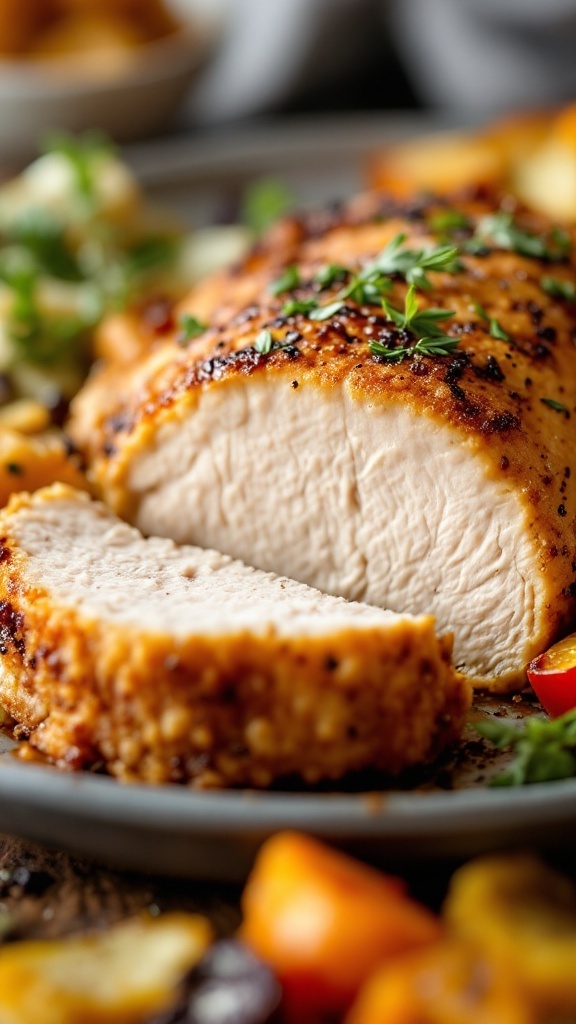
(176, 664)
(417, 462)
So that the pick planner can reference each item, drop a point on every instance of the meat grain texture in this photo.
(167, 663)
(434, 484)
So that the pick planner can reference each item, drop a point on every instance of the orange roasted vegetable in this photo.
(447, 984)
(325, 922)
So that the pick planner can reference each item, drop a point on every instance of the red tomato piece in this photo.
(553, 677)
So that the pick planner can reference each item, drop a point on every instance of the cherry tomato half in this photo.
(553, 677)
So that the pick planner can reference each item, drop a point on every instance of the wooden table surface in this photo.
(45, 893)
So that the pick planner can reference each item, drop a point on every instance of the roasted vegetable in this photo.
(116, 977)
(523, 915)
(447, 984)
(325, 922)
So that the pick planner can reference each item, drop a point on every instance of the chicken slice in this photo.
(171, 663)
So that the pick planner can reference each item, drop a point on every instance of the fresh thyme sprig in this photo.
(293, 306)
(289, 280)
(369, 284)
(412, 264)
(544, 750)
(494, 326)
(423, 324)
(505, 234)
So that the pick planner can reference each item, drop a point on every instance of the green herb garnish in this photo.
(449, 220)
(44, 238)
(191, 327)
(325, 312)
(151, 253)
(505, 233)
(289, 280)
(423, 324)
(294, 306)
(558, 289)
(264, 202)
(544, 750)
(413, 264)
(553, 404)
(328, 275)
(495, 328)
(264, 342)
(84, 153)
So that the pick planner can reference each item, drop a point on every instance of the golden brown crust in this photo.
(232, 710)
(495, 393)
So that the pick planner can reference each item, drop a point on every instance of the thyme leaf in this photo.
(423, 324)
(553, 404)
(558, 289)
(289, 280)
(264, 342)
(505, 234)
(325, 312)
(495, 328)
(329, 274)
(191, 327)
(294, 306)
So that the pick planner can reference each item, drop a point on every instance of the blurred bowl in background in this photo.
(127, 87)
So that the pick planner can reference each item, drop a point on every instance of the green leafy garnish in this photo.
(264, 342)
(449, 220)
(328, 275)
(494, 326)
(191, 327)
(45, 240)
(505, 234)
(423, 324)
(37, 338)
(325, 312)
(150, 253)
(290, 279)
(264, 202)
(294, 306)
(84, 153)
(558, 289)
(544, 750)
(413, 264)
(553, 404)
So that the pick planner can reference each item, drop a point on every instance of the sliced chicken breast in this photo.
(176, 664)
(422, 480)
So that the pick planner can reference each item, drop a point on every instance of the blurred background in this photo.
(140, 68)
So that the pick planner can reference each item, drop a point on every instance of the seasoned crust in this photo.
(494, 393)
(236, 709)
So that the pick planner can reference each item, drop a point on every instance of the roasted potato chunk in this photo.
(523, 915)
(120, 976)
(446, 984)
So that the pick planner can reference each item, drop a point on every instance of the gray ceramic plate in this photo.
(447, 812)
